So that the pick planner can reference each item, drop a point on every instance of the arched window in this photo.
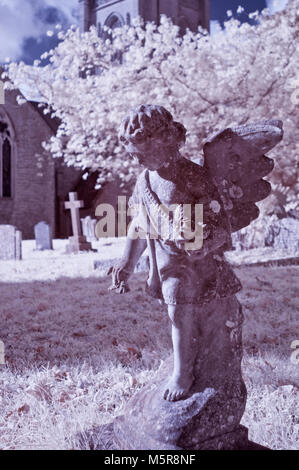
(114, 20)
(6, 169)
(5, 160)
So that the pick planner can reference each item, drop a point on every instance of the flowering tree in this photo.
(241, 74)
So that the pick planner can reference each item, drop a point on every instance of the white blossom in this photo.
(215, 206)
(253, 14)
(242, 74)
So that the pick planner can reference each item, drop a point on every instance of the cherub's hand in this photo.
(119, 277)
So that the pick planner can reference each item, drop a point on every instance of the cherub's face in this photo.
(152, 154)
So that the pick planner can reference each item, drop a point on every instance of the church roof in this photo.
(53, 123)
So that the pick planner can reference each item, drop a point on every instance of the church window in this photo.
(6, 168)
(114, 21)
(5, 161)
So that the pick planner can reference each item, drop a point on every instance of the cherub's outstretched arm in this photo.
(134, 247)
(133, 250)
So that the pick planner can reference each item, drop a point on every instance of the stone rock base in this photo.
(77, 244)
(209, 416)
(235, 440)
(206, 419)
(196, 423)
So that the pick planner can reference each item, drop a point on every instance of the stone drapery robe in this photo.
(177, 275)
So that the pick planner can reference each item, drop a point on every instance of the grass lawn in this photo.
(75, 353)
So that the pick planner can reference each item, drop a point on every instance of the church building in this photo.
(33, 186)
(116, 13)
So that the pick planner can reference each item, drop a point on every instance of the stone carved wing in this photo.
(236, 162)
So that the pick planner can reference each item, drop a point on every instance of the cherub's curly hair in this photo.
(151, 122)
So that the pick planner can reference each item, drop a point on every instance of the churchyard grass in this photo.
(75, 353)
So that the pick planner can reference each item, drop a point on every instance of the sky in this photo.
(24, 23)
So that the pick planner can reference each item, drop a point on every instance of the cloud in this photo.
(276, 5)
(215, 27)
(24, 25)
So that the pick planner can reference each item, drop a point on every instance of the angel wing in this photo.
(236, 162)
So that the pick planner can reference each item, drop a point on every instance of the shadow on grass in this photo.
(76, 320)
(72, 320)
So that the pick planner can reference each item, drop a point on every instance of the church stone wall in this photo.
(121, 8)
(185, 13)
(33, 196)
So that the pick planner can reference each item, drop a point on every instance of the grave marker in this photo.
(78, 241)
(10, 243)
(88, 228)
(43, 239)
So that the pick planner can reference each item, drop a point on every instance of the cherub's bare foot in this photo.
(178, 387)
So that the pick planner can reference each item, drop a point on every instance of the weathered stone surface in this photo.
(262, 134)
(216, 400)
(77, 244)
(279, 234)
(235, 157)
(88, 228)
(283, 233)
(10, 243)
(18, 244)
(43, 239)
(185, 13)
(78, 241)
(198, 397)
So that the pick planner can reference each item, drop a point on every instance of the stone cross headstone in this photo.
(88, 228)
(10, 243)
(43, 239)
(78, 241)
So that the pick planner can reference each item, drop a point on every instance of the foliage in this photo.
(241, 74)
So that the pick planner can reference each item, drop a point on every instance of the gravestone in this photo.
(279, 234)
(88, 228)
(43, 239)
(92, 229)
(18, 244)
(283, 234)
(78, 241)
(10, 243)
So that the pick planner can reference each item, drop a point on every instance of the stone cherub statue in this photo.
(188, 271)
